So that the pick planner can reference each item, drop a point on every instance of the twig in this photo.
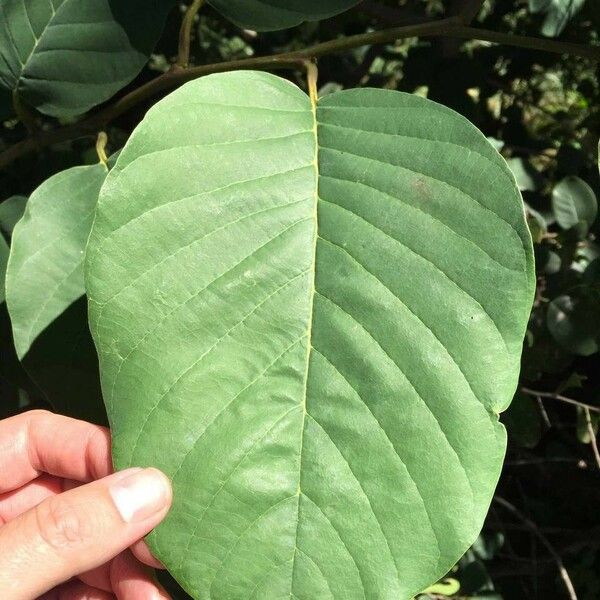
(521, 41)
(101, 148)
(450, 27)
(312, 76)
(592, 434)
(559, 397)
(540, 461)
(544, 540)
(543, 412)
(185, 34)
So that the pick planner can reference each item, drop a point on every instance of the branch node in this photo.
(101, 142)
(312, 75)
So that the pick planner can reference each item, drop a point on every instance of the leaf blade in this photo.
(45, 289)
(104, 43)
(316, 456)
(65, 203)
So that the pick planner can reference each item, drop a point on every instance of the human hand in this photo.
(61, 540)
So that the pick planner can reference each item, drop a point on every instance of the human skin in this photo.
(71, 528)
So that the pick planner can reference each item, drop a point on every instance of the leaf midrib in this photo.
(312, 290)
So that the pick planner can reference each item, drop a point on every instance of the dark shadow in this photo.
(142, 20)
(172, 586)
(17, 391)
(63, 363)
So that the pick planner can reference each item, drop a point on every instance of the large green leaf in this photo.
(268, 15)
(44, 289)
(310, 317)
(66, 56)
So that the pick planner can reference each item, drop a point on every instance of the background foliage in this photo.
(543, 113)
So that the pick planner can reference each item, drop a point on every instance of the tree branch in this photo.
(465, 11)
(450, 27)
(522, 41)
(185, 34)
(561, 398)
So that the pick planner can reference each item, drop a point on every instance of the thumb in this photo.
(79, 530)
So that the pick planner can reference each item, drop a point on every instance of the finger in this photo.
(142, 553)
(38, 442)
(75, 590)
(79, 530)
(15, 503)
(98, 577)
(133, 581)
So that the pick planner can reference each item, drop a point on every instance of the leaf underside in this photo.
(44, 289)
(309, 317)
(45, 272)
(64, 57)
(269, 15)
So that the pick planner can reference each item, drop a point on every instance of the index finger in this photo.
(39, 442)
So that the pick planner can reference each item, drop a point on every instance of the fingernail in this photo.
(141, 494)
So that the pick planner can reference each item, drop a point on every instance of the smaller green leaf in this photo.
(574, 204)
(45, 274)
(45, 291)
(574, 321)
(11, 210)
